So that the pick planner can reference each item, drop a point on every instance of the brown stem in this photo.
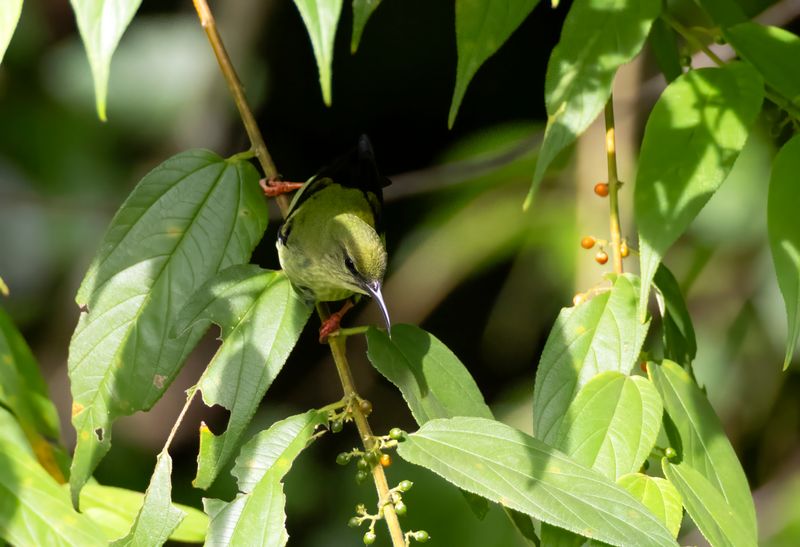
(613, 187)
(337, 344)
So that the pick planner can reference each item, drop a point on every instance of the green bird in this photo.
(331, 244)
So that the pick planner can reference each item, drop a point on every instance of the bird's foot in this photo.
(331, 324)
(274, 186)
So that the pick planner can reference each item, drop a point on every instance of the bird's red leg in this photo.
(331, 324)
(274, 186)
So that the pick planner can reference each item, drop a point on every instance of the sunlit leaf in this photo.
(612, 424)
(523, 473)
(658, 495)
(158, 517)
(678, 332)
(34, 509)
(113, 511)
(597, 38)
(189, 218)
(362, 10)
(321, 18)
(482, 27)
(261, 318)
(256, 516)
(784, 235)
(9, 16)
(773, 51)
(434, 383)
(601, 334)
(23, 392)
(101, 24)
(693, 136)
(701, 443)
(716, 519)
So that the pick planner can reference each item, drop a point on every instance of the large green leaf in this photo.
(256, 516)
(189, 218)
(701, 442)
(784, 235)
(158, 518)
(716, 519)
(597, 38)
(434, 383)
(482, 27)
(523, 473)
(101, 24)
(693, 136)
(773, 51)
(678, 332)
(658, 495)
(261, 318)
(9, 16)
(601, 334)
(34, 509)
(724, 12)
(362, 10)
(23, 392)
(113, 511)
(612, 425)
(321, 18)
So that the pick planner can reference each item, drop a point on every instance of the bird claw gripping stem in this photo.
(275, 186)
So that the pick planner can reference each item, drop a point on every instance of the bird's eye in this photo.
(348, 263)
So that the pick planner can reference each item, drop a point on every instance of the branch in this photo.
(613, 187)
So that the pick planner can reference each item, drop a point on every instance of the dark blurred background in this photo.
(466, 263)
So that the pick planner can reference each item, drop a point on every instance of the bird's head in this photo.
(360, 260)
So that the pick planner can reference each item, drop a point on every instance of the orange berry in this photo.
(587, 242)
(601, 257)
(386, 460)
(601, 189)
(623, 249)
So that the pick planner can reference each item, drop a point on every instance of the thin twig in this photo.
(337, 344)
(613, 187)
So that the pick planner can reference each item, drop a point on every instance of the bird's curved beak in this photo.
(374, 289)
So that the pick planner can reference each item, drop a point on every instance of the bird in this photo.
(331, 245)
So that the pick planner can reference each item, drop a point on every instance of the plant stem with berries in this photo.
(613, 187)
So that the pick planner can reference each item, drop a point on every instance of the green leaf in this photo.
(362, 10)
(600, 334)
(523, 473)
(679, 339)
(321, 18)
(101, 24)
(693, 136)
(256, 516)
(658, 495)
(158, 518)
(9, 17)
(784, 235)
(261, 318)
(482, 27)
(434, 383)
(701, 442)
(724, 12)
(773, 51)
(716, 519)
(665, 49)
(597, 38)
(23, 392)
(34, 509)
(189, 218)
(113, 510)
(612, 425)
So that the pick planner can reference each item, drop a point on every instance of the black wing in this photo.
(356, 169)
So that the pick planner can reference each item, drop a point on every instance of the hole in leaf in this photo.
(99, 433)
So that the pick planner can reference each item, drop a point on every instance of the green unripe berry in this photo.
(421, 536)
(397, 434)
(362, 465)
(400, 508)
(670, 453)
(361, 476)
(372, 459)
(405, 486)
(369, 538)
(354, 522)
(343, 458)
(336, 426)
